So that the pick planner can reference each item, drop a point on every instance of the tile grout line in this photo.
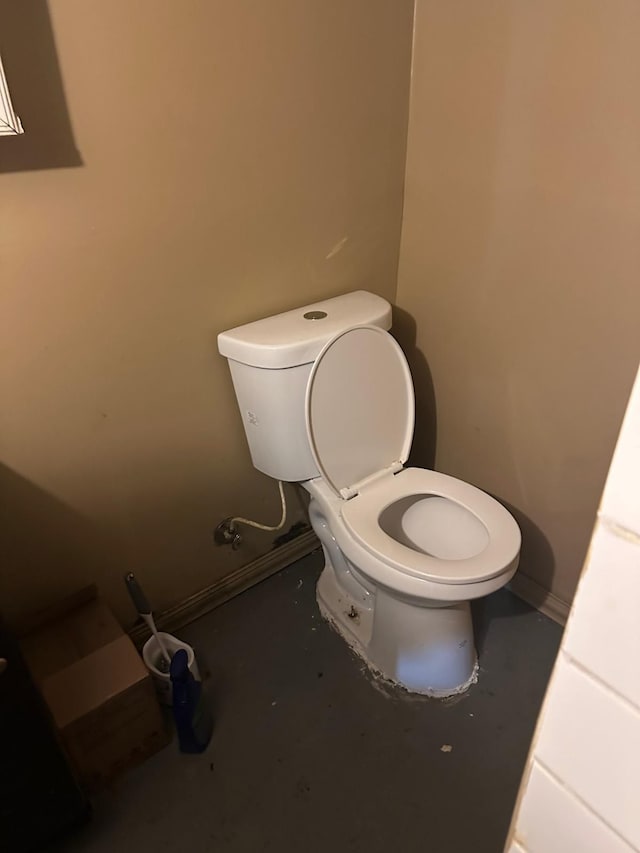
(620, 531)
(561, 782)
(598, 680)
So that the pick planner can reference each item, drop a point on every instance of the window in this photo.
(9, 121)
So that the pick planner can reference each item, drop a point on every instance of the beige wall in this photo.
(520, 253)
(227, 148)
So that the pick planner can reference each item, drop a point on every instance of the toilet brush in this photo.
(144, 609)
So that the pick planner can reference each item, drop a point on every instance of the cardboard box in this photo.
(98, 691)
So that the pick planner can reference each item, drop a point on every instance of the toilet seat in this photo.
(359, 412)
(361, 516)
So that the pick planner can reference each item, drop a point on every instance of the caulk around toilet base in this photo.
(426, 650)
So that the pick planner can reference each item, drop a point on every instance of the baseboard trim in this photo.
(223, 589)
(227, 587)
(540, 598)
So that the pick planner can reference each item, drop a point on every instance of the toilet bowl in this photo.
(406, 549)
(404, 610)
(433, 526)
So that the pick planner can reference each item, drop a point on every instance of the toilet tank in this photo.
(270, 362)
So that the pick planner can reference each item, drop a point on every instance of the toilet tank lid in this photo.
(297, 337)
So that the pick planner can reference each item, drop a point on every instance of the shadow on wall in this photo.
(33, 74)
(536, 561)
(48, 549)
(423, 449)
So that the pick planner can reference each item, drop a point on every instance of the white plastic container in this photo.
(154, 661)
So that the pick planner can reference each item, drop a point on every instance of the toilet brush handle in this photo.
(144, 609)
(137, 595)
(148, 618)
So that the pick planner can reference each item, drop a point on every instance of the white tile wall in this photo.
(581, 789)
(568, 825)
(606, 623)
(621, 497)
(590, 739)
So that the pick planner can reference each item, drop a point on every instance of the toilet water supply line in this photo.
(229, 533)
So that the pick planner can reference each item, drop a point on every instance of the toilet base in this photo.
(425, 649)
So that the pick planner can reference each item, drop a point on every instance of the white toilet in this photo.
(327, 400)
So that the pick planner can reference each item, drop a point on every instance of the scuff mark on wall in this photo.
(339, 246)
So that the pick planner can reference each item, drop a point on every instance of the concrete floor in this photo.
(310, 753)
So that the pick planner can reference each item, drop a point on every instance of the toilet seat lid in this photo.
(359, 408)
